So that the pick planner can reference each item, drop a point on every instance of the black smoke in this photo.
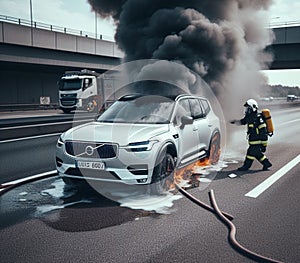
(106, 8)
(219, 39)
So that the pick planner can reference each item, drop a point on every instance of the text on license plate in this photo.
(90, 165)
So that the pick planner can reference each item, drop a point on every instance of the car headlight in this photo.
(60, 142)
(141, 146)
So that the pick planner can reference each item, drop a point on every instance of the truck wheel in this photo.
(67, 111)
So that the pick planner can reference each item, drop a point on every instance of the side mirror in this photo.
(97, 116)
(185, 120)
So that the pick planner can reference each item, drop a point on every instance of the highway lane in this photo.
(15, 125)
(92, 228)
(27, 145)
(27, 157)
(81, 227)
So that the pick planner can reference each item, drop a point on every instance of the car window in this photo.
(182, 109)
(196, 109)
(147, 109)
(205, 106)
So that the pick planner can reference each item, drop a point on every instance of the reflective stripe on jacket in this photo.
(257, 128)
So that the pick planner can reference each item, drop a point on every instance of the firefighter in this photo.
(257, 136)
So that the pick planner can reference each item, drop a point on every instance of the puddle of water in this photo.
(56, 191)
(49, 208)
(205, 180)
(60, 193)
(159, 204)
(139, 197)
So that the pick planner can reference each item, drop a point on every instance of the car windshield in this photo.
(145, 109)
(70, 84)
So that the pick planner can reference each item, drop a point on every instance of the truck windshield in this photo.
(140, 110)
(70, 84)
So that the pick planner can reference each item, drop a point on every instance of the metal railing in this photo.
(54, 28)
(284, 24)
(77, 32)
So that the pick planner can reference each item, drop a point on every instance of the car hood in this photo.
(121, 133)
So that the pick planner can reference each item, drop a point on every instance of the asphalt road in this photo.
(46, 221)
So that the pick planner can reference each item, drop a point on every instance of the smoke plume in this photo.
(222, 40)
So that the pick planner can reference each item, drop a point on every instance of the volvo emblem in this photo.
(89, 150)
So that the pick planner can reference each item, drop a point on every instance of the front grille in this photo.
(92, 173)
(69, 95)
(91, 150)
(68, 102)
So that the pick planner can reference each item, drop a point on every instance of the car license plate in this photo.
(90, 165)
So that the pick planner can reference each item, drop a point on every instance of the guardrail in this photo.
(284, 24)
(22, 107)
(54, 28)
(77, 32)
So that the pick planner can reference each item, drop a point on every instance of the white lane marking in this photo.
(273, 178)
(32, 177)
(287, 122)
(31, 137)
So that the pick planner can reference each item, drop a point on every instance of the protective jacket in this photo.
(257, 129)
(257, 138)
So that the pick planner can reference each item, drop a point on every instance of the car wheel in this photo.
(214, 148)
(163, 174)
(164, 168)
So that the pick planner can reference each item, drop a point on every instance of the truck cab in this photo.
(78, 90)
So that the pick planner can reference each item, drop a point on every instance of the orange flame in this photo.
(188, 174)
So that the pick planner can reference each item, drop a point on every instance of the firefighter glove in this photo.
(263, 148)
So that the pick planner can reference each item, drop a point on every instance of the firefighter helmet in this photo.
(251, 103)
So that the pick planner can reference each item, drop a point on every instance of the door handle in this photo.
(195, 129)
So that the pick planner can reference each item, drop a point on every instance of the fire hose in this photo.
(244, 251)
(226, 218)
(200, 203)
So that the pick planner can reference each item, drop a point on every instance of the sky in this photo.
(77, 14)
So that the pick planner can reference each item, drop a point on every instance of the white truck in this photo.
(85, 90)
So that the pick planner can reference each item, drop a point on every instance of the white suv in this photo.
(140, 139)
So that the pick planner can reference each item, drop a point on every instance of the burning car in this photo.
(140, 139)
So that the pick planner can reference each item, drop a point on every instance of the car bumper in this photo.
(128, 167)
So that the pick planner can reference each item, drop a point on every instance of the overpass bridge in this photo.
(286, 48)
(32, 59)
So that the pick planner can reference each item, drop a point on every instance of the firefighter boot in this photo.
(266, 164)
(247, 164)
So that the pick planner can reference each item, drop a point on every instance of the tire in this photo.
(214, 148)
(67, 111)
(163, 174)
(164, 168)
